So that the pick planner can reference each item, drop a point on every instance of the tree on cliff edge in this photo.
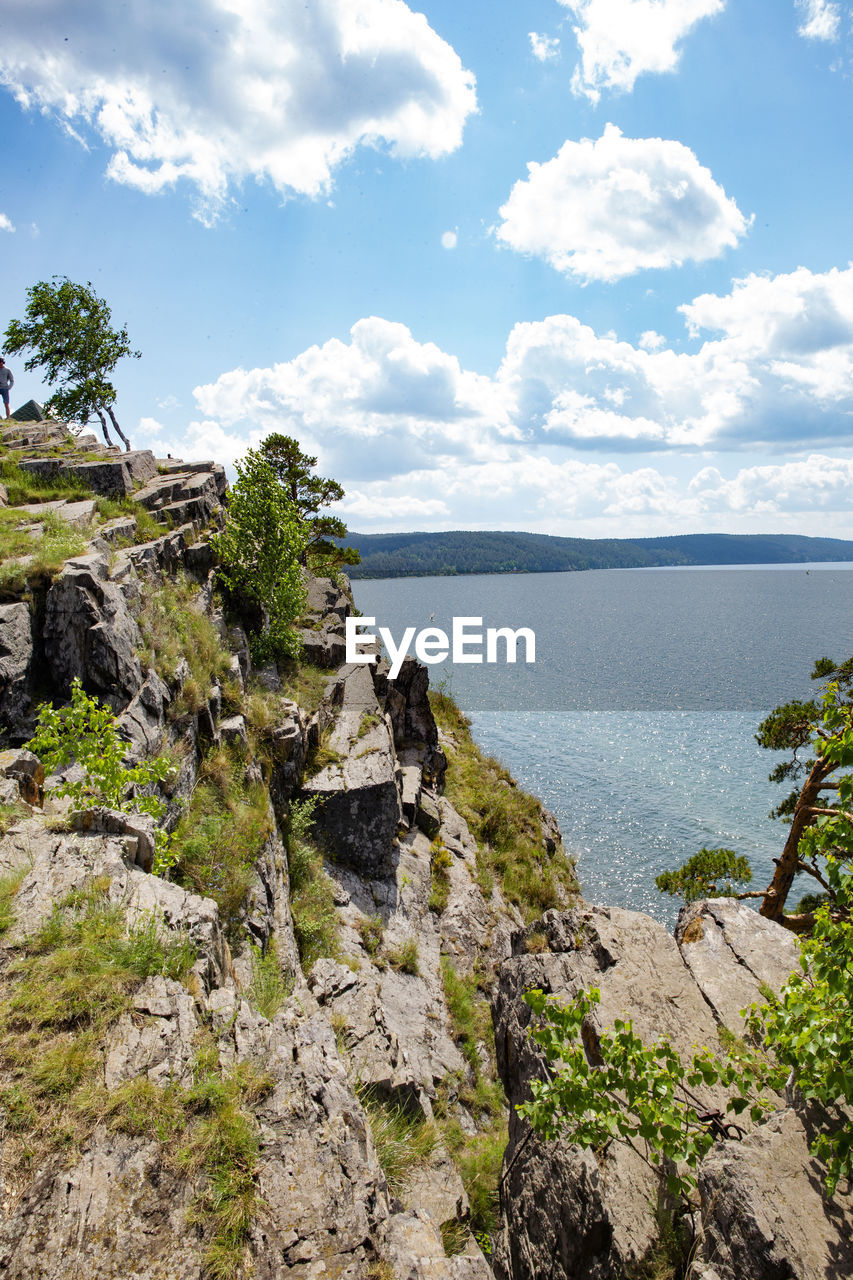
(309, 493)
(68, 329)
(819, 735)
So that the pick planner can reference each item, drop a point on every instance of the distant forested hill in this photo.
(407, 555)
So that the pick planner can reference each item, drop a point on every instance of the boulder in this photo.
(568, 1213)
(27, 771)
(731, 952)
(763, 1211)
(89, 632)
(358, 811)
(16, 659)
(289, 742)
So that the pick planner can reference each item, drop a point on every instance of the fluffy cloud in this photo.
(618, 40)
(544, 48)
(392, 417)
(381, 402)
(5, 223)
(604, 209)
(552, 494)
(821, 19)
(217, 91)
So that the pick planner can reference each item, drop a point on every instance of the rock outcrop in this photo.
(574, 1214)
(187, 1068)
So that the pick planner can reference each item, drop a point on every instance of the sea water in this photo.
(635, 724)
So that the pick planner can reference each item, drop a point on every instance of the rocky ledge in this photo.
(117, 1164)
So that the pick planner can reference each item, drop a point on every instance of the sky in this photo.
(578, 267)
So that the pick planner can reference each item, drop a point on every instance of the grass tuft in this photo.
(505, 821)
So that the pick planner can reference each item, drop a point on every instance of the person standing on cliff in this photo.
(7, 381)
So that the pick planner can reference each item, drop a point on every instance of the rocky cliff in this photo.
(277, 1058)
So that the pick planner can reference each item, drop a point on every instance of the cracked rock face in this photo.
(89, 633)
(571, 1215)
(566, 1213)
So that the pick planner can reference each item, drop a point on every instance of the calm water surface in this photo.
(635, 723)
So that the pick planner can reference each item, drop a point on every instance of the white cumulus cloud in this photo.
(395, 418)
(604, 209)
(449, 239)
(213, 92)
(619, 40)
(821, 19)
(544, 48)
(6, 223)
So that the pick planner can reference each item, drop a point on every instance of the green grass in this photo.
(476, 1156)
(47, 551)
(270, 988)
(10, 883)
(441, 860)
(403, 1138)
(504, 820)
(405, 958)
(147, 526)
(173, 628)
(25, 486)
(304, 683)
(220, 835)
(371, 931)
(61, 992)
(312, 901)
(10, 814)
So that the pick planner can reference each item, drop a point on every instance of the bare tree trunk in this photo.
(788, 865)
(118, 429)
(104, 428)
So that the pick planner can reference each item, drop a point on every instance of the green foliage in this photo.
(636, 1094)
(221, 834)
(505, 821)
(404, 555)
(86, 733)
(371, 930)
(710, 873)
(259, 555)
(304, 683)
(33, 547)
(810, 1027)
(309, 494)
(10, 883)
(224, 1144)
(61, 992)
(147, 527)
(27, 486)
(68, 329)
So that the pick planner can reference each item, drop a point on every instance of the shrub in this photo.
(87, 733)
(259, 553)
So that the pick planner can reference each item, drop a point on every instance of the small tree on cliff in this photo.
(68, 328)
(819, 736)
(259, 554)
(309, 494)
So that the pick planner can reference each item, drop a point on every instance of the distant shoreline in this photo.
(465, 552)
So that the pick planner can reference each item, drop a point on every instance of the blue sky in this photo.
(575, 266)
